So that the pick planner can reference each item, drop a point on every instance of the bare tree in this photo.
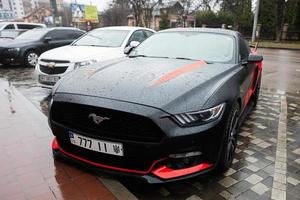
(142, 11)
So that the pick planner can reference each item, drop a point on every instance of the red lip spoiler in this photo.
(166, 173)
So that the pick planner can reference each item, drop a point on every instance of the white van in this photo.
(20, 25)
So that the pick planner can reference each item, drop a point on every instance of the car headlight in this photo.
(84, 63)
(13, 49)
(200, 117)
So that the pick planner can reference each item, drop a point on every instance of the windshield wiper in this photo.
(181, 58)
(141, 55)
(135, 56)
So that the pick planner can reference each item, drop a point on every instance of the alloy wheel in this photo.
(32, 58)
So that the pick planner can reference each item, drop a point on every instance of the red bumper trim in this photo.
(167, 173)
(55, 146)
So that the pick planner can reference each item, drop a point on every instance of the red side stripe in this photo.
(179, 71)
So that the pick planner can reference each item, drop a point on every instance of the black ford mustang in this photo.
(168, 111)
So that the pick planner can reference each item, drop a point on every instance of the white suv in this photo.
(20, 26)
(96, 46)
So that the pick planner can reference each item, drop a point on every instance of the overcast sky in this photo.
(101, 4)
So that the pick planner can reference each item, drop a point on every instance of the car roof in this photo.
(3, 22)
(58, 28)
(204, 30)
(126, 28)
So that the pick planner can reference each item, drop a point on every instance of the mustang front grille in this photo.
(117, 124)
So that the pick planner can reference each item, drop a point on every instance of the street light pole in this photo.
(255, 20)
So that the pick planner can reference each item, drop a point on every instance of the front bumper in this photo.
(147, 160)
(13, 58)
(162, 174)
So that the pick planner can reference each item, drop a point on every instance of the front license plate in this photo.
(96, 145)
(49, 79)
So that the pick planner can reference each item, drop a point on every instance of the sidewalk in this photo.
(27, 169)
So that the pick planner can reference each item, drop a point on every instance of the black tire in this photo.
(31, 58)
(230, 139)
(256, 93)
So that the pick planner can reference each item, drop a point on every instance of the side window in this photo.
(137, 36)
(10, 26)
(58, 35)
(27, 26)
(243, 49)
(74, 34)
(148, 33)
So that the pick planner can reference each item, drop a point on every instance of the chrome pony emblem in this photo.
(97, 119)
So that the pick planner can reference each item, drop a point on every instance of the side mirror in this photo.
(47, 39)
(255, 58)
(131, 46)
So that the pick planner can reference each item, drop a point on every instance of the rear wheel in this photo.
(31, 58)
(230, 139)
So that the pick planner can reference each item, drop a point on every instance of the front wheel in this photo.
(230, 139)
(31, 58)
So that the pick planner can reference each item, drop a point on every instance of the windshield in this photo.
(34, 34)
(209, 47)
(103, 38)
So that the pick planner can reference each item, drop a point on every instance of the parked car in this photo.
(19, 25)
(170, 110)
(26, 48)
(96, 46)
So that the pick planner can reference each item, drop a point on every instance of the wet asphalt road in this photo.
(281, 74)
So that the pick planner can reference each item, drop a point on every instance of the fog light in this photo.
(185, 155)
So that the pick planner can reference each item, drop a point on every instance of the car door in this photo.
(55, 39)
(250, 70)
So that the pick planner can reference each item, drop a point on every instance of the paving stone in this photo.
(253, 168)
(249, 152)
(253, 179)
(226, 195)
(251, 159)
(278, 194)
(264, 145)
(273, 140)
(227, 182)
(278, 185)
(260, 188)
(298, 161)
(239, 188)
(280, 178)
(256, 141)
(245, 134)
(235, 161)
(293, 181)
(296, 151)
(193, 197)
(229, 172)
(270, 158)
(248, 195)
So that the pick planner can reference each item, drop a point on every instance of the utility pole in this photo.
(255, 20)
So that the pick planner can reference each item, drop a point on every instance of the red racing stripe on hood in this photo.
(177, 72)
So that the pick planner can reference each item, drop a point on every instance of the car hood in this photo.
(16, 43)
(171, 85)
(81, 53)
